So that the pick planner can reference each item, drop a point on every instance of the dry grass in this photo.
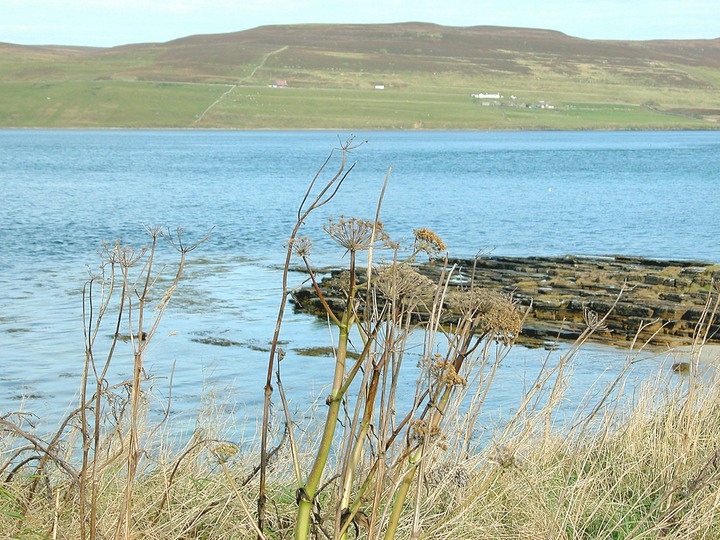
(650, 474)
(649, 471)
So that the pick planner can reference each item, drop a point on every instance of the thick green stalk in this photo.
(402, 495)
(414, 461)
(434, 421)
(308, 492)
(359, 443)
(323, 197)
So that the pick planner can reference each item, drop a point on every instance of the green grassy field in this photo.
(125, 104)
(104, 104)
(429, 73)
(372, 109)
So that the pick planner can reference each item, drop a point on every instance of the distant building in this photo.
(483, 95)
(379, 87)
(279, 84)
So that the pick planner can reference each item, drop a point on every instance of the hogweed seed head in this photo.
(505, 457)
(448, 473)
(403, 283)
(301, 246)
(492, 311)
(224, 451)
(420, 429)
(445, 372)
(391, 244)
(429, 242)
(593, 321)
(355, 234)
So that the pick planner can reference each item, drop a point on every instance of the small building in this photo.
(483, 95)
(379, 87)
(280, 83)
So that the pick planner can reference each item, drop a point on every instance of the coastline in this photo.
(538, 129)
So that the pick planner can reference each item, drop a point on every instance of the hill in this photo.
(402, 76)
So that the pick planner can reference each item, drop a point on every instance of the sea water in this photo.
(64, 193)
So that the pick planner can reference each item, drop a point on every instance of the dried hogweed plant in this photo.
(402, 283)
(101, 443)
(371, 443)
(490, 313)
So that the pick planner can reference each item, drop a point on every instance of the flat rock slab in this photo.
(666, 298)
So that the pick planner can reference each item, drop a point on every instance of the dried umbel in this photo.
(593, 321)
(449, 474)
(403, 284)
(301, 246)
(224, 451)
(505, 457)
(355, 234)
(444, 372)
(420, 430)
(429, 242)
(493, 312)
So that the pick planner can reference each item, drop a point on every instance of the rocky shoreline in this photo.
(668, 297)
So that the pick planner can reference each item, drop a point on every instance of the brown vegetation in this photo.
(427, 48)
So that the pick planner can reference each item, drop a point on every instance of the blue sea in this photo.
(65, 193)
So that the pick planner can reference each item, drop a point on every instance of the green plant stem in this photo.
(359, 442)
(326, 194)
(309, 490)
(402, 495)
(436, 416)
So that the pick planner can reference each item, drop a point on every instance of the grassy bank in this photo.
(647, 472)
(104, 104)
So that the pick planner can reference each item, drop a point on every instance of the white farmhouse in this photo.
(483, 95)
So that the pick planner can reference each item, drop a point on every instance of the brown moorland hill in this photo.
(415, 47)
(477, 50)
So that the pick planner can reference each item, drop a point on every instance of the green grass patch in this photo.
(299, 108)
(137, 104)
(105, 104)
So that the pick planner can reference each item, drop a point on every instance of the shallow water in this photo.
(66, 192)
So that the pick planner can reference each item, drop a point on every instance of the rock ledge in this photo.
(668, 296)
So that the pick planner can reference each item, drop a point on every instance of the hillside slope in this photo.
(333, 75)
